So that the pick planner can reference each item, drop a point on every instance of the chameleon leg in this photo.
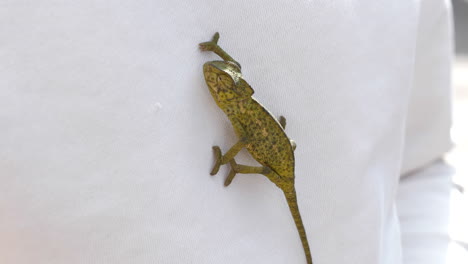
(214, 47)
(223, 159)
(282, 121)
(237, 168)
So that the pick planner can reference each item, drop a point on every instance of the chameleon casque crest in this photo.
(257, 129)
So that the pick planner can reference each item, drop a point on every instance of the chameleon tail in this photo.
(291, 198)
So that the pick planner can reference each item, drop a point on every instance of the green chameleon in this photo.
(258, 131)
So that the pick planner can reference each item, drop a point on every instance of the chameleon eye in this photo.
(210, 77)
(225, 80)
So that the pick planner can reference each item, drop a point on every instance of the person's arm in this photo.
(424, 192)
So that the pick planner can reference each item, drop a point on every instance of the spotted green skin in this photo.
(266, 140)
(257, 129)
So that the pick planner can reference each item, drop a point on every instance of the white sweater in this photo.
(106, 129)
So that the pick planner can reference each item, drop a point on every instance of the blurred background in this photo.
(458, 157)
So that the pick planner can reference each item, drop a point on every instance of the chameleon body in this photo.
(257, 129)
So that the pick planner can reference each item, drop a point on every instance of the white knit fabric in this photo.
(106, 128)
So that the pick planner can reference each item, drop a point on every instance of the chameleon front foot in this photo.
(213, 46)
(210, 45)
(282, 121)
(218, 158)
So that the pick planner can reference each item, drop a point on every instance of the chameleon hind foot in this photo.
(237, 168)
(230, 176)
(218, 158)
(228, 156)
(234, 170)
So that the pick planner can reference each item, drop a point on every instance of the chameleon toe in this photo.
(218, 155)
(229, 178)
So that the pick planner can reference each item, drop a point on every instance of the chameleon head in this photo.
(225, 82)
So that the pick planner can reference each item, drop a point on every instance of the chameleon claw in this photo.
(218, 157)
